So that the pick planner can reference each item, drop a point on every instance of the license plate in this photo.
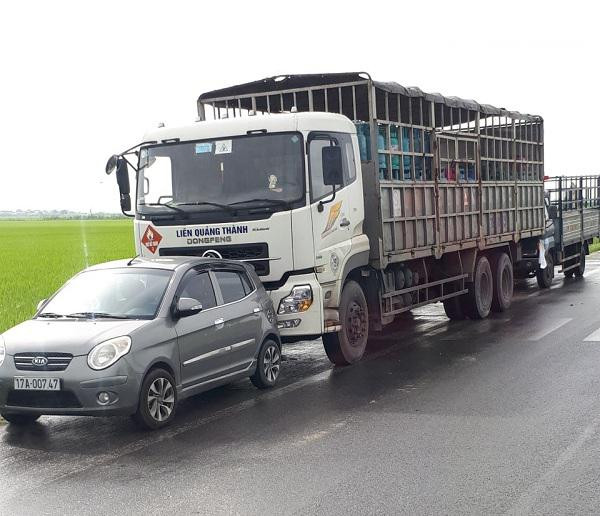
(36, 384)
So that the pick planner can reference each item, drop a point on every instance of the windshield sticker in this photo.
(273, 184)
(223, 147)
(202, 148)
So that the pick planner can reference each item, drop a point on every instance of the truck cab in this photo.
(282, 192)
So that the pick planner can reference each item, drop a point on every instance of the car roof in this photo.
(166, 263)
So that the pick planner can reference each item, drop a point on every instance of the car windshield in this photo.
(246, 171)
(134, 293)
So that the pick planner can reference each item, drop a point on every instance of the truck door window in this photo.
(315, 152)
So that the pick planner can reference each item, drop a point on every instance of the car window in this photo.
(232, 286)
(248, 286)
(198, 285)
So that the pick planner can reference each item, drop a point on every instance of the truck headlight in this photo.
(107, 353)
(2, 350)
(298, 300)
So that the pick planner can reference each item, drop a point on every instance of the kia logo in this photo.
(211, 253)
(39, 361)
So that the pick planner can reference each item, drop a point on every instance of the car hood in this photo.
(77, 337)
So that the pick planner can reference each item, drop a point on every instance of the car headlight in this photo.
(107, 353)
(2, 350)
(298, 300)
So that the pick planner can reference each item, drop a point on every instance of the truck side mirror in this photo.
(111, 164)
(123, 182)
(332, 166)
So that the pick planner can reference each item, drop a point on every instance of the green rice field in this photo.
(36, 257)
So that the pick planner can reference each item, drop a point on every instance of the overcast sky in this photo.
(82, 80)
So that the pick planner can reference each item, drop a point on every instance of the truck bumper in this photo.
(309, 323)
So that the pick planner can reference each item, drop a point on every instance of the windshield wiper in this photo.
(174, 208)
(96, 315)
(280, 202)
(51, 315)
(207, 203)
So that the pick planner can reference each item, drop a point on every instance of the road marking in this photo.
(553, 326)
(593, 337)
(531, 497)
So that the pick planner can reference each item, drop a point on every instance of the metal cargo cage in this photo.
(440, 173)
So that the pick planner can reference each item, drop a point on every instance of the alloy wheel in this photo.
(161, 399)
(271, 363)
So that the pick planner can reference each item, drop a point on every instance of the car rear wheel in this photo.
(20, 419)
(158, 400)
(268, 365)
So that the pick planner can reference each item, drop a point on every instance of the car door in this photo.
(242, 324)
(202, 343)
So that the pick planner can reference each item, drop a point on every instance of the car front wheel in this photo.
(158, 400)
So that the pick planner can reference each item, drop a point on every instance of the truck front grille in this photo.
(248, 252)
(56, 361)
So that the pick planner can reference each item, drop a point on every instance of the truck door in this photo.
(334, 217)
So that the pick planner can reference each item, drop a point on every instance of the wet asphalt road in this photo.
(488, 417)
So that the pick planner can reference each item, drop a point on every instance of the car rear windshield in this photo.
(134, 293)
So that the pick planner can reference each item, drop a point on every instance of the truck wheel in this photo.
(453, 308)
(503, 282)
(545, 276)
(581, 269)
(348, 345)
(478, 301)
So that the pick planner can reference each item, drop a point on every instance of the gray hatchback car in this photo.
(135, 337)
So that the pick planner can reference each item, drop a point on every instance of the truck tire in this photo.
(348, 345)
(453, 308)
(545, 276)
(478, 301)
(503, 282)
(579, 271)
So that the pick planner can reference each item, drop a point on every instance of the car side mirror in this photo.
(553, 212)
(187, 306)
(332, 166)
(41, 303)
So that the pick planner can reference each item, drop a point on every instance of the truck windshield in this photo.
(244, 171)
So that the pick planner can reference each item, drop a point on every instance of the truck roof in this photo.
(281, 122)
(285, 83)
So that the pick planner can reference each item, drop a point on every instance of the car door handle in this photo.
(219, 322)
(345, 222)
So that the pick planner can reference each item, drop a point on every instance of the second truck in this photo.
(357, 200)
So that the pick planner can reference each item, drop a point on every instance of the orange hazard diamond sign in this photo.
(151, 239)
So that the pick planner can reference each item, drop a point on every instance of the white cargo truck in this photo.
(354, 200)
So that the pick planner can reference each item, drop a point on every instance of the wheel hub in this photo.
(356, 323)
